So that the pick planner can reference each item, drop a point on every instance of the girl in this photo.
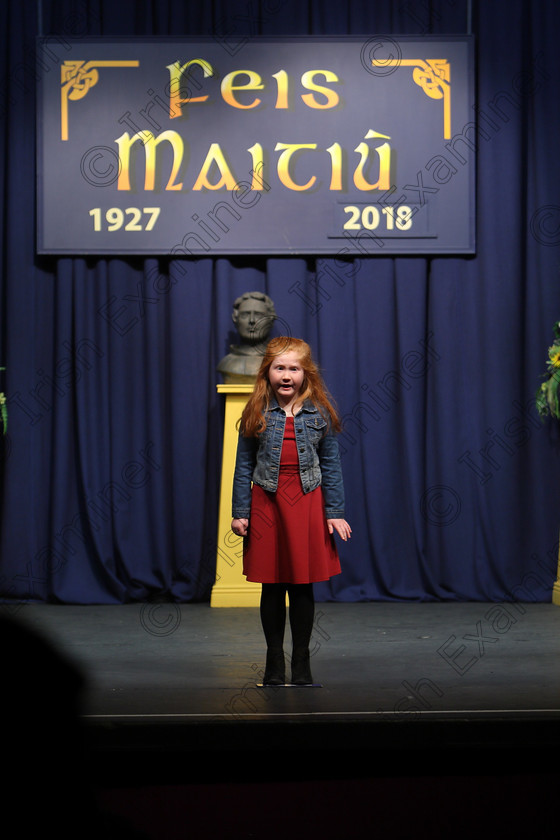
(288, 498)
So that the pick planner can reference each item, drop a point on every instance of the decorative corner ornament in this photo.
(433, 75)
(76, 79)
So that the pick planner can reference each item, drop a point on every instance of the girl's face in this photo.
(286, 377)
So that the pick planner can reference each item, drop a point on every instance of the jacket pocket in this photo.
(316, 428)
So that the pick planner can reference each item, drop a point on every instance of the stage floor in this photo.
(432, 720)
(382, 667)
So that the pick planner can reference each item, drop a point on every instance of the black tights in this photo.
(301, 614)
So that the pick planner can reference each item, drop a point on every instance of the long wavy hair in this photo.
(253, 419)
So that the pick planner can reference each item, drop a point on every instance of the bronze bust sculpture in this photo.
(253, 315)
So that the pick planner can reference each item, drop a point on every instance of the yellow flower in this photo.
(554, 355)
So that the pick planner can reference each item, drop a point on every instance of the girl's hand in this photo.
(341, 526)
(240, 527)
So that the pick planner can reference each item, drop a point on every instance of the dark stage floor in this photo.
(377, 663)
(407, 691)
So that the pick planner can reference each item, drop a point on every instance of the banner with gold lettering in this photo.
(340, 146)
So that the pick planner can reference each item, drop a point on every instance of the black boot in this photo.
(301, 668)
(275, 671)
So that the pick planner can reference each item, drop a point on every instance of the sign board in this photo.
(326, 146)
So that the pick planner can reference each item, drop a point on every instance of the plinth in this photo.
(556, 585)
(231, 588)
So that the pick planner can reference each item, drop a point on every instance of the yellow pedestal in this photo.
(556, 586)
(231, 588)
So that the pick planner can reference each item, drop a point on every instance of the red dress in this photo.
(288, 540)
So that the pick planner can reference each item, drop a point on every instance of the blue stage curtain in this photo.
(111, 465)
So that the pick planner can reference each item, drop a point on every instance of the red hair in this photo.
(253, 419)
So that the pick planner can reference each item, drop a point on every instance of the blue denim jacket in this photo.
(258, 460)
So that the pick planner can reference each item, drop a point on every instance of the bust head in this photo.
(253, 315)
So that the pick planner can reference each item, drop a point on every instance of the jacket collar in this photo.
(308, 405)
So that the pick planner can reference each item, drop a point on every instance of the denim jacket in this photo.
(258, 460)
